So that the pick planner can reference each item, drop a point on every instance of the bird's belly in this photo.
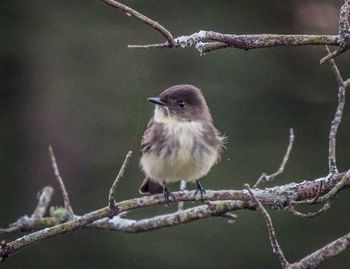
(173, 167)
(183, 159)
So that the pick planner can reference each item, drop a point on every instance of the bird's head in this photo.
(181, 103)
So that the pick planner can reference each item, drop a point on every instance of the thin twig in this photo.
(330, 56)
(273, 239)
(205, 47)
(155, 25)
(44, 200)
(9, 230)
(113, 189)
(232, 218)
(331, 194)
(322, 210)
(327, 199)
(266, 178)
(148, 46)
(25, 222)
(347, 83)
(59, 179)
(314, 200)
(337, 118)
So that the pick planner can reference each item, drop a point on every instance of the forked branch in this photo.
(206, 41)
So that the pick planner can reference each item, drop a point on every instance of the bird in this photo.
(180, 141)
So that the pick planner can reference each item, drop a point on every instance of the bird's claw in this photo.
(167, 195)
(199, 189)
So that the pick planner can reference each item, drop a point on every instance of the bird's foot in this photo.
(167, 196)
(199, 189)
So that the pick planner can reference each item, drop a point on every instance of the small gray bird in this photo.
(180, 142)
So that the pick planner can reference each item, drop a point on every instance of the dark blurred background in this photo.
(68, 79)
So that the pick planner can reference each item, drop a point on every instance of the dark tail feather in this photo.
(150, 187)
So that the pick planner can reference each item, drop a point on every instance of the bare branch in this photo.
(321, 255)
(111, 198)
(344, 33)
(206, 41)
(326, 198)
(205, 47)
(44, 200)
(274, 242)
(155, 25)
(314, 199)
(347, 83)
(330, 55)
(247, 42)
(148, 46)
(11, 229)
(167, 220)
(59, 179)
(337, 118)
(266, 178)
(322, 210)
(331, 194)
(232, 218)
(276, 197)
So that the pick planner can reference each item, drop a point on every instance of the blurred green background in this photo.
(68, 79)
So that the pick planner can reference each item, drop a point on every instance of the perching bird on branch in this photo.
(180, 142)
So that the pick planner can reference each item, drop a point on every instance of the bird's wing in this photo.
(147, 137)
(148, 186)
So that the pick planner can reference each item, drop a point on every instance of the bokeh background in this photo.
(68, 79)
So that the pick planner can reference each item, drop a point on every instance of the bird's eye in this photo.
(181, 104)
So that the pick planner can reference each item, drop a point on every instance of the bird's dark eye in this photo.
(181, 104)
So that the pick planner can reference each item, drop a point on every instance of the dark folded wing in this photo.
(147, 137)
(153, 138)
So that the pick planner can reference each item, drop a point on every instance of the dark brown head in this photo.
(182, 102)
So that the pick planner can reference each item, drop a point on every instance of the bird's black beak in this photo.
(156, 100)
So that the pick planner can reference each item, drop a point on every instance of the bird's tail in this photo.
(150, 187)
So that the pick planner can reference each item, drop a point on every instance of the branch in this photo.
(111, 197)
(277, 197)
(344, 33)
(274, 243)
(211, 209)
(44, 200)
(320, 256)
(266, 178)
(59, 179)
(200, 41)
(207, 41)
(155, 25)
(337, 117)
(309, 262)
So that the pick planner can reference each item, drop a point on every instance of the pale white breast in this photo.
(184, 155)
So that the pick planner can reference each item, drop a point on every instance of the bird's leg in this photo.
(167, 195)
(199, 189)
